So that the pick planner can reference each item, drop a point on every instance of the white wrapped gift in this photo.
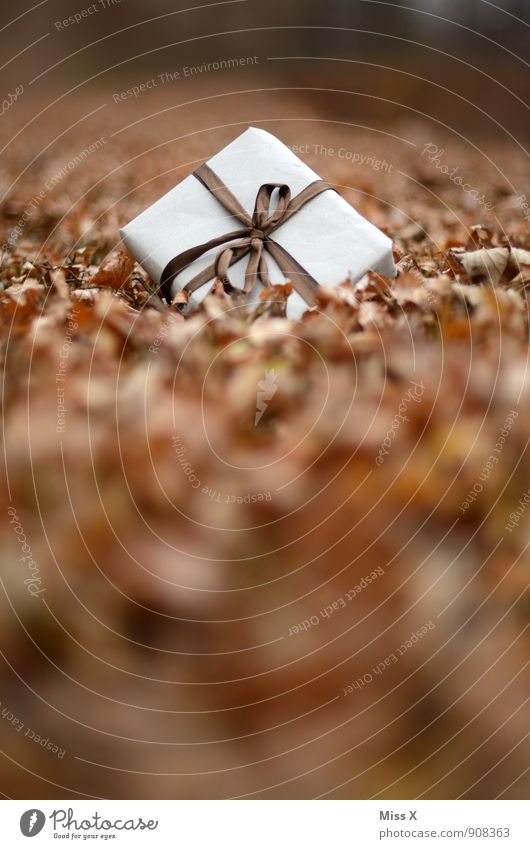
(324, 242)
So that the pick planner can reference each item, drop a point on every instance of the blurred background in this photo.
(446, 58)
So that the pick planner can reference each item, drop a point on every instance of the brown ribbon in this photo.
(253, 239)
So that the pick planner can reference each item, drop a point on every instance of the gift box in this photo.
(255, 215)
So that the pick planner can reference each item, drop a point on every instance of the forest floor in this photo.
(330, 602)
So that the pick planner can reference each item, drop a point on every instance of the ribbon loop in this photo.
(262, 217)
(222, 263)
(252, 239)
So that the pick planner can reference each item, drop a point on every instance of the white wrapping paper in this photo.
(327, 236)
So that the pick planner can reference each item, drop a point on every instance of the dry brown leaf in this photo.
(520, 265)
(487, 265)
(479, 237)
(372, 314)
(180, 299)
(495, 265)
(22, 299)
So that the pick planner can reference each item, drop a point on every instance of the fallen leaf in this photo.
(519, 263)
(487, 265)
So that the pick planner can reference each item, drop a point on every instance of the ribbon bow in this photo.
(253, 239)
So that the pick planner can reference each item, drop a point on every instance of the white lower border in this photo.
(265, 824)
